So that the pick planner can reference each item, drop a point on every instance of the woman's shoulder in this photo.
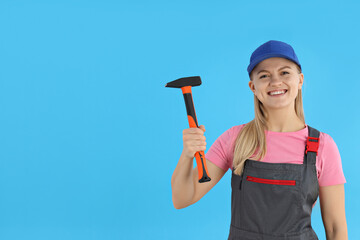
(234, 130)
(327, 142)
(326, 139)
(231, 133)
(237, 128)
(330, 163)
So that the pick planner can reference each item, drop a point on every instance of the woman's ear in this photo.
(252, 87)
(301, 80)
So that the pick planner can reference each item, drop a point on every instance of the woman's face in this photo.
(274, 74)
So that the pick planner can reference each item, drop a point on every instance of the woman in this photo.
(280, 165)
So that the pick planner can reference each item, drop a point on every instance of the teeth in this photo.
(277, 92)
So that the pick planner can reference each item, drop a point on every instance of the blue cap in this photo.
(270, 49)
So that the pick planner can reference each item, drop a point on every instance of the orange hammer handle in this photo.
(200, 155)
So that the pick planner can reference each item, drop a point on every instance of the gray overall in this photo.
(273, 201)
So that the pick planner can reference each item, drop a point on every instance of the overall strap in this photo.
(312, 146)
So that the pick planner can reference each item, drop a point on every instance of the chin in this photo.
(278, 105)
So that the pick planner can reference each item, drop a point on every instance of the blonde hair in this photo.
(252, 138)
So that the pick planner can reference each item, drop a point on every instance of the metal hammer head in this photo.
(183, 82)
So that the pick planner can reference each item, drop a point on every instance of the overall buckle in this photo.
(312, 144)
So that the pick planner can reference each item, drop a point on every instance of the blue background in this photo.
(90, 137)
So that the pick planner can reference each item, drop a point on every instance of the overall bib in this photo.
(273, 201)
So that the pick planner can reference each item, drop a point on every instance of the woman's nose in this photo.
(275, 80)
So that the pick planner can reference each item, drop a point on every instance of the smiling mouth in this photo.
(276, 95)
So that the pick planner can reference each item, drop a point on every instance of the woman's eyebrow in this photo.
(279, 69)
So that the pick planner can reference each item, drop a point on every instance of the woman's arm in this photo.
(332, 204)
(186, 189)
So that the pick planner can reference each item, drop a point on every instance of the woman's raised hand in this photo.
(193, 141)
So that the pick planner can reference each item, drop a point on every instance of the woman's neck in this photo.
(283, 121)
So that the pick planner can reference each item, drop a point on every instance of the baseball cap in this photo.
(270, 49)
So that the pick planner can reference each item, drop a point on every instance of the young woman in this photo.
(279, 164)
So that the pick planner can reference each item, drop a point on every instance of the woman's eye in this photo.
(262, 76)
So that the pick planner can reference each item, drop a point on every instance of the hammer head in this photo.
(183, 82)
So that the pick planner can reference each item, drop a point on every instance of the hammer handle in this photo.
(200, 155)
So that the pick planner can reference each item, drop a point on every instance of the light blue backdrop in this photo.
(90, 137)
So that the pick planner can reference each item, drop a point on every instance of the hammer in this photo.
(185, 84)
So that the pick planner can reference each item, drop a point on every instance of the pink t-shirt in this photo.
(284, 147)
